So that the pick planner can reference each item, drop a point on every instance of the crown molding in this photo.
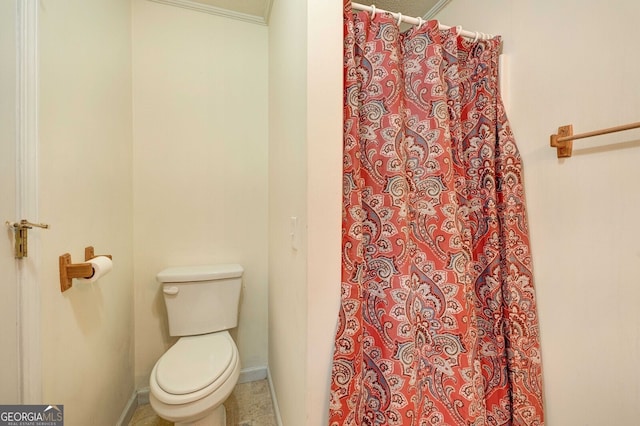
(199, 7)
(435, 9)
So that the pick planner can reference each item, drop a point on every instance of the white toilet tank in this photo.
(201, 299)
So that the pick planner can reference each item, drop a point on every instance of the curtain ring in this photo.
(373, 11)
(458, 29)
(420, 22)
(476, 37)
(399, 18)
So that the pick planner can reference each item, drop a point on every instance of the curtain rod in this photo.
(475, 35)
(563, 141)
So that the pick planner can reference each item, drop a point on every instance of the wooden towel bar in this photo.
(563, 140)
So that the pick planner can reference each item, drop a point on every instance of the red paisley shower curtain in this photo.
(438, 323)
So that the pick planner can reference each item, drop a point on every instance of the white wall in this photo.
(305, 175)
(85, 195)
(324, 199)
(200, 165)
(576, 63)
(287, 198)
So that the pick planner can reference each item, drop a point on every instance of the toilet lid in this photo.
(194, 362)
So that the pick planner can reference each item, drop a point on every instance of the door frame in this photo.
(29, 311)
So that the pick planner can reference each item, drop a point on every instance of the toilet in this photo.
(191, 381)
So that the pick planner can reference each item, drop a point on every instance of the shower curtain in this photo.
(437, 324)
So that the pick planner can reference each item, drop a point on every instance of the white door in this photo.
(9, 361)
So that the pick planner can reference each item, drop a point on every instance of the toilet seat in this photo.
(193, 363)
(197, 367)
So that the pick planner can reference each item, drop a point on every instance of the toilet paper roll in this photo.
(101, 265)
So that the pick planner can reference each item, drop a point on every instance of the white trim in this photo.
(199, 7)
(274, 400)
(252, 374)
(27, 200)
(143, 396)
(267, 11)
(129, 409)
(435, 9)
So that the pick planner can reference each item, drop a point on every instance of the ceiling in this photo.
(257, 11)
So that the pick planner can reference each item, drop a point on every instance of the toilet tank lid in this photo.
(181, 274)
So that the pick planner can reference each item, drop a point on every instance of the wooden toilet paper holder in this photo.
(69, 271)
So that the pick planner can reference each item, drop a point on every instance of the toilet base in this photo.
(217, 417)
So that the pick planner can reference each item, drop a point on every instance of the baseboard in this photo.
(129, 409)
(141, 396)
(252, 374)
(274, 400)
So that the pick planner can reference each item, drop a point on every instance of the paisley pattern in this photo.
(438, 322)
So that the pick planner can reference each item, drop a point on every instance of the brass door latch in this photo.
(21, 229)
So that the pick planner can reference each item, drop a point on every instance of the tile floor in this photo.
(249, 405)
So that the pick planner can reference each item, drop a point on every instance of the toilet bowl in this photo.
(190, 382)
